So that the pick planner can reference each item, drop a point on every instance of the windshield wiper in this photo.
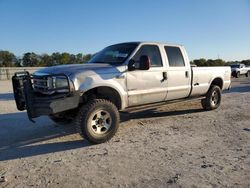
(96, 62)
(112, 63)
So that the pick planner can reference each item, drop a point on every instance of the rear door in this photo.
(179, 73)
(147, 86)
(243, 69)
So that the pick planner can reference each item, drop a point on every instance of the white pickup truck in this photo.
(239, 69)
(119, 77)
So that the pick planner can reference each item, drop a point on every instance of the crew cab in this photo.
(118, 78)
(239, 69)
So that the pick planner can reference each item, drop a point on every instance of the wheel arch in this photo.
(104, 92)
(217, 81)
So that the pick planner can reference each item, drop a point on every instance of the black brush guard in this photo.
(39, 104)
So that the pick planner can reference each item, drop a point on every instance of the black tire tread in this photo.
(206, 101)
(248, 74)
(237, 75)
(82, 118)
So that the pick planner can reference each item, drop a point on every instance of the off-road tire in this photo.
(248, 74)
(237, 75)
(84, 124)
(210, 102)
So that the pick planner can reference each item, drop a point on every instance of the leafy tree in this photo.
(199, 62)
(210, 62)
(31, 59)
(7, 59)
(65, 58)
(55, 59)
(18, 62)
(86, 58)
(246, 62)
(46, 60)
(79, 58)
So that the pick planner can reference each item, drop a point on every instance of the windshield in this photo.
(235, 66)
(115, 54)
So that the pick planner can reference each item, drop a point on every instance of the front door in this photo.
(147, 86)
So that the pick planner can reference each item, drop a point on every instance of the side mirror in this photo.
(144, 63)
(131, 65)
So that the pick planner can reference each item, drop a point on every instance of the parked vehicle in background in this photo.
(240, 69)
(119, 77)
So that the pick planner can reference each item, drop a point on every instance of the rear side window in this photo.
(152, 52)
(175, 57)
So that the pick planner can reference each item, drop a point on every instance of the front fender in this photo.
(96, 81)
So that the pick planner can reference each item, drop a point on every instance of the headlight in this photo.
(43, 83)
(60, 82)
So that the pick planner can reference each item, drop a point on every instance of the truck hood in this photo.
(74, 69)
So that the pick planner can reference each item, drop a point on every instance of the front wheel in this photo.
(237, 74)
(98, 121)
(213, 98)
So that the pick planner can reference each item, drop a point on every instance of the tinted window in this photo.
(152, 52)
(175, 58)
(115, 54)
(235, 66)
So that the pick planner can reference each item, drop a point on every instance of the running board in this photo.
(158, 104)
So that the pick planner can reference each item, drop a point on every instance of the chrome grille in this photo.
(42, 84)
(48, 84)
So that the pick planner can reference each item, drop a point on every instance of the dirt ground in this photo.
(175, 145)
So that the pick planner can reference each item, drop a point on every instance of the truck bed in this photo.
(203, 76)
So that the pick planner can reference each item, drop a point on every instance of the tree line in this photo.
(31, 59)
(216, 62)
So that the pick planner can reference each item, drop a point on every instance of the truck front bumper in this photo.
(39, 104)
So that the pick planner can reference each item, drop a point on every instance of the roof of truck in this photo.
(151, 42)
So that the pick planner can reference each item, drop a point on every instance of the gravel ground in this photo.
(175, 145)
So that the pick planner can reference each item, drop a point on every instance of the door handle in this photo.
(165, 76)
(186, 74)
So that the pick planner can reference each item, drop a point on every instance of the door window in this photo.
(152, 52)
(175, 58)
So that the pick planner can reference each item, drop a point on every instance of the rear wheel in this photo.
(213, 98)
(98, 121)
(248, 74)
